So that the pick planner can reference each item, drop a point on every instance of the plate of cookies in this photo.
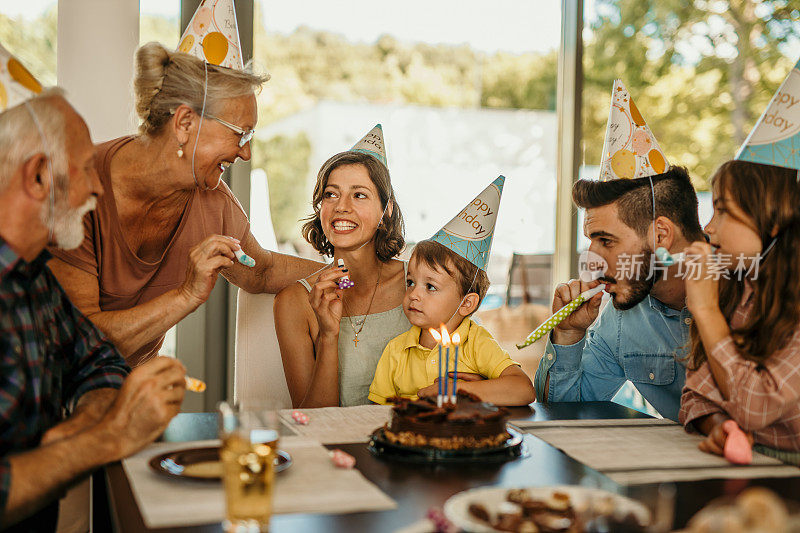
(569, 508)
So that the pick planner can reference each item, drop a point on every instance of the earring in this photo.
(180, 150)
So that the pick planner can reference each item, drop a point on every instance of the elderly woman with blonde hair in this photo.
(167, 224)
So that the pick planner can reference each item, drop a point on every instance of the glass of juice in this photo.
(249, 445)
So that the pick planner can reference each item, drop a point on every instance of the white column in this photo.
(96, 43)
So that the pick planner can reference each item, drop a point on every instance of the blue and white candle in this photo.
(438, 339)
(446, 342)
(456, 341)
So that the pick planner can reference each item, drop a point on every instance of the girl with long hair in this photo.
(744, 362)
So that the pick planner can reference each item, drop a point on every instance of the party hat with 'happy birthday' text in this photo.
(630, 149)
(470, 233)
(213, 35)
(372, 144)
(16, 83)
(775, 140)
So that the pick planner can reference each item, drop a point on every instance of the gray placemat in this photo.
(615, 422)
(655, 453)
(339, 425)
(311, 485)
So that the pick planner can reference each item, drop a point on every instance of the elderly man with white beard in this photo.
(68, 401)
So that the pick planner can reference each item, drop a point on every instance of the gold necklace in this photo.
(350, 318)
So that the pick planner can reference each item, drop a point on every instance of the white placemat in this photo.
(339, 425)
(311, 485)
(649, 454)
(593, 422)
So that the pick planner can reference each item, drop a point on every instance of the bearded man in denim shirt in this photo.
(643, 336)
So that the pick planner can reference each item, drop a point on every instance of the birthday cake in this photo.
(470, 423)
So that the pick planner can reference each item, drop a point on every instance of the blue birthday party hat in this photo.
(775, 140)
(470, 233)
(372, 144)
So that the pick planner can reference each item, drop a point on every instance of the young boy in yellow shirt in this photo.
(444, 287)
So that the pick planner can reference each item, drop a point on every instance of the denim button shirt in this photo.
(644, 345)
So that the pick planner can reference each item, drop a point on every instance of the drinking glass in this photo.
(249, 445)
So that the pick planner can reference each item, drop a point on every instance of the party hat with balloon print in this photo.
(372, 144)
(630, 149)
(213, 35)
(775, 140)
(470, 233)
(16, 83)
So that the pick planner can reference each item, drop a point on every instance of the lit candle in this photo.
(446, 342)
(438, 339)
(456, 342)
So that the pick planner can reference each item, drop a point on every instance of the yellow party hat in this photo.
(16, 83)
(213, 35)
(630, 149)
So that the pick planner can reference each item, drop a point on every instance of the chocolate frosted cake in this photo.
(468, 424)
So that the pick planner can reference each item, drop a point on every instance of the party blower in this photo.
(559, 316)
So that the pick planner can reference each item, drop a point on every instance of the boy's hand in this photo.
(465, 376)
(433, 390)
(430, 390)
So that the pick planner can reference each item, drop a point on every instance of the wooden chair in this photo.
(529, 280)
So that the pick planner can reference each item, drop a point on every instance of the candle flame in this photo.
(445, 336)
(456, 338)
(435, 334)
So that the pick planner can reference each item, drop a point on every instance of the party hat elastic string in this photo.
(48, 154)
(199, 127)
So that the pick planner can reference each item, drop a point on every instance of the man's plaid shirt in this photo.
(50, 355)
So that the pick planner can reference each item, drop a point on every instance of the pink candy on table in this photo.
(342, 459)
(439, 521)
(737, 448)
(300, 417)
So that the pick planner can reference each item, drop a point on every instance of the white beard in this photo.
(67, 223)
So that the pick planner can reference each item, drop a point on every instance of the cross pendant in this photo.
(355, 341)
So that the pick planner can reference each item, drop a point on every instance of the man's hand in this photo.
(71, 426)
(90, 410)
(150, 397)
(573, 328)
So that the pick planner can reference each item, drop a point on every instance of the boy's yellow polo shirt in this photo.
(406, 366)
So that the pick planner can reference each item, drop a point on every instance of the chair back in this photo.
(258, 368)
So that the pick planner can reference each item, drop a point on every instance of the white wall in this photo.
(96, 43)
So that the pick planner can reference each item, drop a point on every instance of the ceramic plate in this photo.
(456, 508)
(202, 463)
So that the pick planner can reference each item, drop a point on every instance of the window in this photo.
(464, 94)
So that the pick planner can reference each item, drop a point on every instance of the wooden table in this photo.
(416, 488)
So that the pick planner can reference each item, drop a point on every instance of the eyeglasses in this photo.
(246, 135)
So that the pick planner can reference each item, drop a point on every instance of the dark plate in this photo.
(202, 463)
(510, 450)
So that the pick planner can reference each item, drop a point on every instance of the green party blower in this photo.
(559, 316)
